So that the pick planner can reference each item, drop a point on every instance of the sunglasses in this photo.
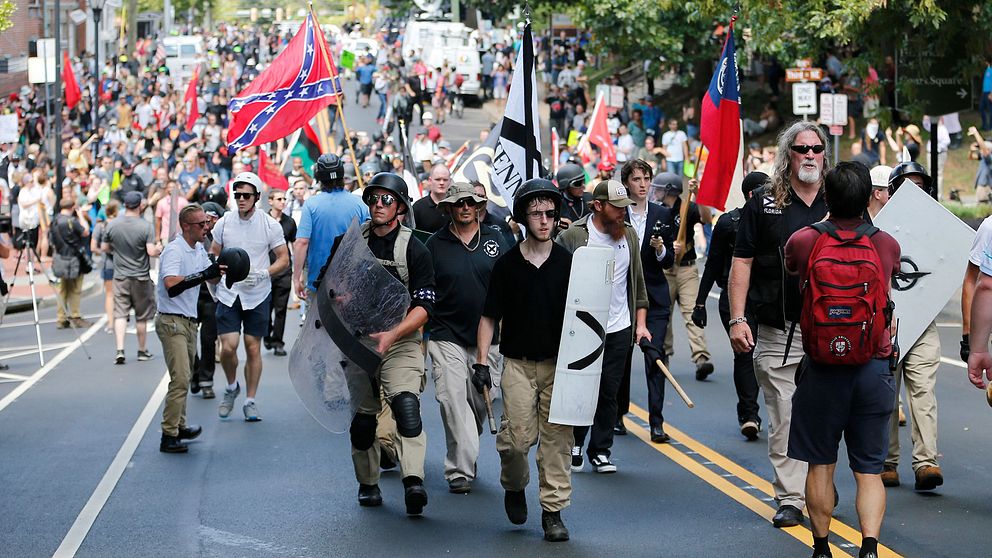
(243, 195)
(465, 202)
(278, 199)
(386, 199)
(550, 214)
(804, 149)
(199, 223)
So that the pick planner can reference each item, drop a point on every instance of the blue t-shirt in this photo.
(987, 81)
(325, 217)
(364, 73)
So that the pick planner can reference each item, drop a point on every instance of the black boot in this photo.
(415, 495)
(554, 528)
(189, 432)
(369, 495)
(171, 444)
(515, 502)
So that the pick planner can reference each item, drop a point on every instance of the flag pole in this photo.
(340, 92)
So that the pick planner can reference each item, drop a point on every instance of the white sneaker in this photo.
(227, 405)
(251, 412)
(602, 464)
(576, 459)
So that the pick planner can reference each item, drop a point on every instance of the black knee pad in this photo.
(406, 411)
(363, 431)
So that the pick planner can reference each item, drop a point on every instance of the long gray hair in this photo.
(781, 178)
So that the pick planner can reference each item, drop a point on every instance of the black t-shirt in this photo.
(289, 233)
(721, 254)
(462, 277)
(572, 208)
(418, 261)
(428, 215)
(762, 234)
(693, 218)
(530, 301)
(557, 107)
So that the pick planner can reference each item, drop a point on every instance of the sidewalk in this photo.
(20, 292)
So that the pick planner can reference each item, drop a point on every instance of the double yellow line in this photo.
(716, 480)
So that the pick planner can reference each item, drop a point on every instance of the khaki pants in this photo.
(527, 387)
(402, 370)
(778, 383)
(919, 369)
(463, 409)
(683, 286)
(69, 291)
(178, 337)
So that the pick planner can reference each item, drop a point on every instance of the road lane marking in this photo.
(837, 527)
(33, 346)
(954, 362)
(13, 377)
(44, 370)
(34, 351)
(87, 516)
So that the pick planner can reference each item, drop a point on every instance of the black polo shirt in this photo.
(762, 234)
(429, 217)
(462, 275)
(693, 218)
(530, 301)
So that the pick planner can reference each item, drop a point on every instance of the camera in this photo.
(6, 223)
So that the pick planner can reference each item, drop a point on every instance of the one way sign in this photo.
(803, 99)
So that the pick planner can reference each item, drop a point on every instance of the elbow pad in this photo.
(194, 280)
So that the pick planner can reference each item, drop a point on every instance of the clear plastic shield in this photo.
(333, 362)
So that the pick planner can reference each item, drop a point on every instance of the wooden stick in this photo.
(675, 383)
(684, 212)
(988, 394)
(489, 409)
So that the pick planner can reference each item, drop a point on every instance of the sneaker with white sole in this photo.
(227, 405)
(251, 412)
(602, 464)
(576, 458)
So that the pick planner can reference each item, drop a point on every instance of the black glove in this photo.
(965, 347)
(699, 315)
(194, 280)
(481, 377)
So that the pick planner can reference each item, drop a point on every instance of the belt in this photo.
(183, 316)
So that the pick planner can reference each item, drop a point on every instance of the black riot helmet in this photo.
(329, 172)
(392, 183)
(215, 193)
(571, 175)
(904, 170)
(238, 264)
(535, 187)
(669, 183)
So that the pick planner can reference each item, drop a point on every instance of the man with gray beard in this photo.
(765, 303)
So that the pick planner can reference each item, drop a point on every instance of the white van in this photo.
(437, 42)
(182, 54)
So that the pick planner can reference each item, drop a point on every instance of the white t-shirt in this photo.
(256, 235)
(673, 142)
(30, 217)
(619, 308)
(981, 248)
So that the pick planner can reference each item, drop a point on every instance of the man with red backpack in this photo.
(845, 386)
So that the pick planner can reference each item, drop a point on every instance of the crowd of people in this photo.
(231, 255)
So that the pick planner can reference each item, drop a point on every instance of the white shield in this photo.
(583, 337)
(935, 246)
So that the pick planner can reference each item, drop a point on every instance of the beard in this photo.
(808, 175)
(615, 229)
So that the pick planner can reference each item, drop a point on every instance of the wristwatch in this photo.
(735, 321)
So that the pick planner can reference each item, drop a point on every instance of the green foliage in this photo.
(974, 211)
(7, 9)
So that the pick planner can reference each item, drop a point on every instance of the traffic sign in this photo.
(794, 75)
(803, 99)
(836, 130)
(833, 109)
(934, 83)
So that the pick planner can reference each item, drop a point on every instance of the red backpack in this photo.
(845, 297)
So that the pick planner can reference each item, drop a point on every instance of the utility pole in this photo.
(57, 139)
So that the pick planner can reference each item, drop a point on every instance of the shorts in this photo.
(137, 294)
(831, 401)
(256, 320)
(365, 88)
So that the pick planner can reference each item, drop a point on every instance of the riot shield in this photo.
(333, 362)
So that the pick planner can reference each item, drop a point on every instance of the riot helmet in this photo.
(329, 171)
(392, 183)
(902, 171)
(238, 264)
(535, 187)
(215, 193)
(669, 183)
(571, 175)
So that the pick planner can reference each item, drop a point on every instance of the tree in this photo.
(7, 9)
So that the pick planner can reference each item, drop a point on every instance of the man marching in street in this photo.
(792, 200)
(282, 282)
(527, 291)
(206, 310)
(247, 303)
(653, 224)
(627, 324)
(183, 266)
(463, 255)
(401, 374)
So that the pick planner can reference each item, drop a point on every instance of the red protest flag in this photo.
(268, 171)
(298, 84)
(599, 132)
(72, 93)
(190, 97)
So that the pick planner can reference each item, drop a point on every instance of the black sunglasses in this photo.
(199, 223)
(386, 199)
(804, 149)
(465, 202)
(551, 214)
(243, 195)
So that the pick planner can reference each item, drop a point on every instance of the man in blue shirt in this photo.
(652, 115)
(985, 103)
(364, 74)
(325, 217)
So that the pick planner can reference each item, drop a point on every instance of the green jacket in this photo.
(637, 294)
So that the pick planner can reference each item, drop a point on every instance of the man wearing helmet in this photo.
(245, 306)
(401, 373)
(683, 276)
(527, 291)
(571, 180)
(325, 216)
(919, 371)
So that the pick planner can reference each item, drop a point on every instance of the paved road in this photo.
(80, 468)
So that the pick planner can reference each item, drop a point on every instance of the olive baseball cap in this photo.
(612, 192)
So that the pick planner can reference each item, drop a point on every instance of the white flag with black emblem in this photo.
(518, 152)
